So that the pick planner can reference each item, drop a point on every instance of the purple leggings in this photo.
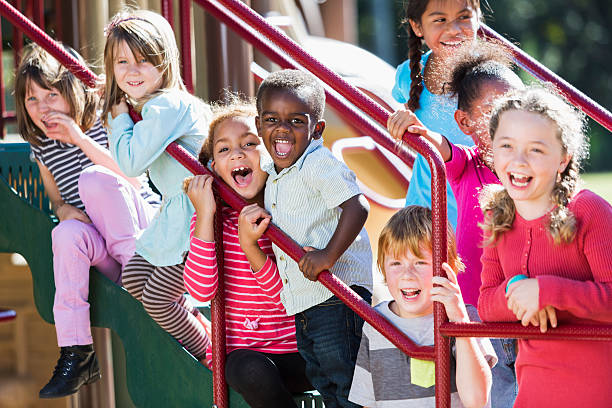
(118, 214)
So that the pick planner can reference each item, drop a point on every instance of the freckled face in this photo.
(409, 282)
(286, 126)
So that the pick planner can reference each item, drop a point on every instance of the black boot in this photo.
(76, 366)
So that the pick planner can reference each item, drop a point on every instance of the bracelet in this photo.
(515, 278)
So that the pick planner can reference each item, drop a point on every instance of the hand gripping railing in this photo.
(337, 287)
(529, 64)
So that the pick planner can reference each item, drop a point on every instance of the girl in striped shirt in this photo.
(263, 364)
(100, 210)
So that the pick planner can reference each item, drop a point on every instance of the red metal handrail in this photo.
(535, 68)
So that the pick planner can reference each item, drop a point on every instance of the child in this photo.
(442, 25)
(100, 212)
(480, 75)
(142, 66)
(386, 377)
(263, 364)
(314, 199)
(547, 257)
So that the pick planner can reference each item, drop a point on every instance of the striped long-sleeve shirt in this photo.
(255, 317)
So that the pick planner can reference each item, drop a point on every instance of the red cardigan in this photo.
(255, 316)
(574, 278)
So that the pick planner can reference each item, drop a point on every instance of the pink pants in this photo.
(118, 214)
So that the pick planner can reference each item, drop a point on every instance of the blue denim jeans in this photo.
(328, 338)
(504, 389)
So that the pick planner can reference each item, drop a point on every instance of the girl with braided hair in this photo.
(546, 259)
(441, 25)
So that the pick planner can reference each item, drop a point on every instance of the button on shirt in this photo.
(304, 201)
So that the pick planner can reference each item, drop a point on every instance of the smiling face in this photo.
(135, 75)
(409, 281)
(527, 156)
(475, 122)
(446, 24)
(236, 154)
(287, 126)
(40, 101)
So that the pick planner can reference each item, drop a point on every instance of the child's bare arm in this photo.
(473, 374)
(354, 214)
(249, 231)
(405, 120)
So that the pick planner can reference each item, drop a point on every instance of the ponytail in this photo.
(562, 224)
(416, 77)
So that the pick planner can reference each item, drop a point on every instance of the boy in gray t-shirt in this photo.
(386, 377)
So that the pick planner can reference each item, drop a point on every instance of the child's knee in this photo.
(69, 234)
(95, 180)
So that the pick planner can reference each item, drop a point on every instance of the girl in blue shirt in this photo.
(142, 67)
(419, 81)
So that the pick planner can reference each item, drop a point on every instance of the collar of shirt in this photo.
(267, 165)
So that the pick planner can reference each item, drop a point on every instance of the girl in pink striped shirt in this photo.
(262, 364)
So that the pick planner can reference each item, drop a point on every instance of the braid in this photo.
(562, 224)
(499, 210)
(414, 55)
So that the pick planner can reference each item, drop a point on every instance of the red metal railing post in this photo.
(167, 10)
(17, 36)
(185, 17)
(217, 311)
(2, 101)
(575, 96)
(352, 115)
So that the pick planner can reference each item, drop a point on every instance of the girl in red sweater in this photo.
(546, 260)
(262, 364)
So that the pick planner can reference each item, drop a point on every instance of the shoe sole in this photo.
(95, 377)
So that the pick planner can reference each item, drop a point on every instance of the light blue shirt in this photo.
(171, 116)
(437, 112)
(304, 201)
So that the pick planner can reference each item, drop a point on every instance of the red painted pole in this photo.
(575, 96)
(185, 17)
(167, 10)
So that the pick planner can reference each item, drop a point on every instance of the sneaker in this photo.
(76, 366)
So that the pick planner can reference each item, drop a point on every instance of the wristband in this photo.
(513, 279)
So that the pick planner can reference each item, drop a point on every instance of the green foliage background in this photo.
(571, 37)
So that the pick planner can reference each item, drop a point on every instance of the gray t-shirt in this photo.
(385, 377)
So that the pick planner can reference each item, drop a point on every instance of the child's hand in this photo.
(199, 191)
(543, 317)
(68, 212)
(249, 231)
(62, 127)
(523, 299)
(404, 120)
(119, 108)
(314, 262)
(449, 294)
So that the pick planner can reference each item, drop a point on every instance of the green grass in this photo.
(600, 183)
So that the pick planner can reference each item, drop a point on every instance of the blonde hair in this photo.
(495, 202)
(40, 67)
(150, 35)
(409, 230)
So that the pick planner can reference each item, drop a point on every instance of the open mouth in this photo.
(48, 125)
(519, 180)
(453, 43)
(282, 147)
(410, 294)
(242, 176)
(135, 83)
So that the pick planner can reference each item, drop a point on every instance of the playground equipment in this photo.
(158, 354)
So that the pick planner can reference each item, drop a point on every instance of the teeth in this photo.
(519, 180)
(410, 293)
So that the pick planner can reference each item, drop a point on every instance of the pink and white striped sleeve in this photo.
(200, 274)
